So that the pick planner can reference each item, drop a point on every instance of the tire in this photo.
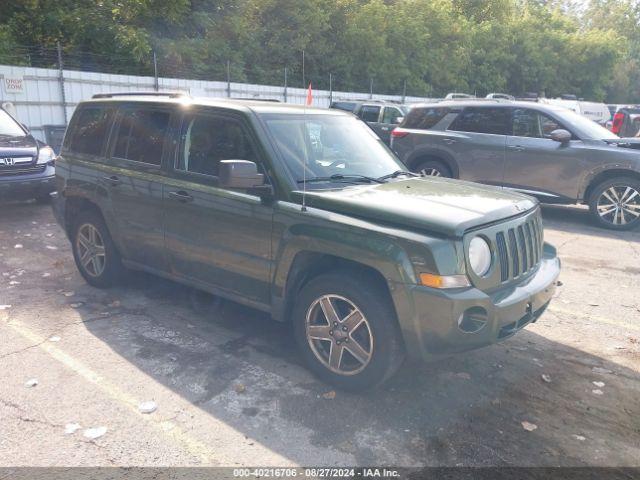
(107, 270)
(378, 335)
(43, 199)
(432, 168)
(615, 203)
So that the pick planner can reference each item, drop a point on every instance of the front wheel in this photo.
(347, 332)
(615, 204)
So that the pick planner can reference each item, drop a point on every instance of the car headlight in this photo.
(46, 155)
(479, 256)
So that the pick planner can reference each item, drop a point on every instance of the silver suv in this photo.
(549, 152)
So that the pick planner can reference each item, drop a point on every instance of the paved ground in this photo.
(230, 389)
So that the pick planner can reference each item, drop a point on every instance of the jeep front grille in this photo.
(519, 248)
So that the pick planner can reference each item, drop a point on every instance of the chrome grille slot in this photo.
(522, 250)
(513, 253)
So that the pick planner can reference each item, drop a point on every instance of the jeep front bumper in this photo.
(433, 321)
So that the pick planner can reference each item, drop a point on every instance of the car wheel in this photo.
(94, 252)
(615, 203)
(347, 332)
(432, 168)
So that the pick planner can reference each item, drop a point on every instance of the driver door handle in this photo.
(517, 148)
(449, 141)
(112, 180)
(181, 196)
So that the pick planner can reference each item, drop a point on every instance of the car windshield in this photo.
(326, 150)
(9, 127)
(586, 129)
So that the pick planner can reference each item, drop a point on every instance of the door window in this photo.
(391, 114)
(209, 139)
(533, 124)
(140, 136)
(369, 113)
(88, 130)
(482, 120)
(424, 118)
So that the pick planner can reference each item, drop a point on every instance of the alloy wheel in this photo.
(339, 334)
(619, 205)
(91, 251)
(430, 172)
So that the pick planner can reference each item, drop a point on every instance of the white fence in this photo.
(37, 93)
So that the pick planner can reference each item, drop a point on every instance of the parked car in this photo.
(303, 213)
(626, 121)
(595, 111)
(26, 164)
(382, 117)
(547, 151)
(500, 96)
(458, 96)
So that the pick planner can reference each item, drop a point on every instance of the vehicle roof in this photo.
(488, 102)
(240, 105)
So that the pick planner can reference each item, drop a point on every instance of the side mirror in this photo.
(239, 174)
(561, 135)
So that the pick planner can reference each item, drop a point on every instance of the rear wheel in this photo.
(615, 203)
(346, 329)
(432, 168)
(94, 252)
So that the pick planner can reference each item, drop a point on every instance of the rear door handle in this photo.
(517, 148)
(112, 180)
(181, 196)
(449, 141)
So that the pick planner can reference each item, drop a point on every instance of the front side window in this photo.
(209, 139)
(369, 113)
(140, 135)
(9, 127)
(533, 124)
(89, 130)
(391, 115)
(315, 147)
(482, 120)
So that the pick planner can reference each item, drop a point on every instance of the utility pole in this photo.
(404, 91)
(371, 88)
(156, 83)
(304, 84)
(285, 84)
(63, 95)
(229, 78)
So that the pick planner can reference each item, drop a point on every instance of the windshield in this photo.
(9, 127)
(316, 146)
(586, 129)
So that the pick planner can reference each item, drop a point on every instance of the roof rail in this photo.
(142, 94)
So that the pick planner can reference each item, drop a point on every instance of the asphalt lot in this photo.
(230, 389)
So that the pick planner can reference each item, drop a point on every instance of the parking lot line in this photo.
(166, 427)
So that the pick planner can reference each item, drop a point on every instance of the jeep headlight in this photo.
(46, 155)
(479, 256)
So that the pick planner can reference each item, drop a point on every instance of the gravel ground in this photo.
(230, 390)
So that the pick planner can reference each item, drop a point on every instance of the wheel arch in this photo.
(433, 155)
(73, 206)
(606, 175)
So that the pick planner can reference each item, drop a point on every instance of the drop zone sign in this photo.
(14, 84)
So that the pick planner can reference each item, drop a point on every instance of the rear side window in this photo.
(495, 121)
(369, 113)
(423, 118)
(89, 129)
(140, 135)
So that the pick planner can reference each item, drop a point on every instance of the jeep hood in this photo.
(445, 206)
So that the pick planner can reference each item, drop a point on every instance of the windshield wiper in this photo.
(340, 176)
(396, 174)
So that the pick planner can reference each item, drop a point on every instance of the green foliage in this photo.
(434, 46)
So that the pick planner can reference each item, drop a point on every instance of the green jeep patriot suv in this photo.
(303, 213)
